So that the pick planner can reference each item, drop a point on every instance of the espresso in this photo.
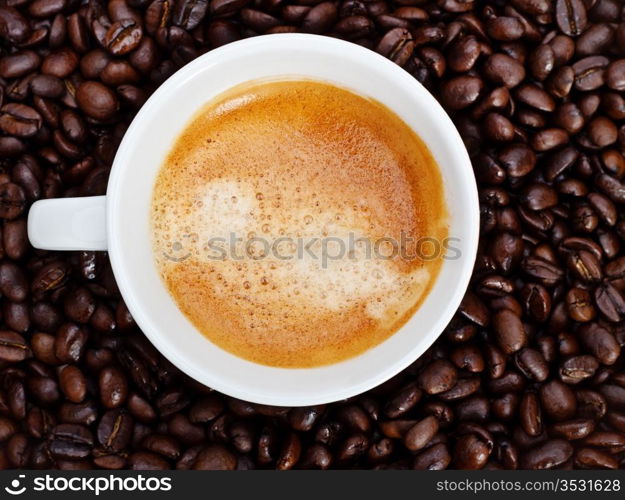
(298, 224)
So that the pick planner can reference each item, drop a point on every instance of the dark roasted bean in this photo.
(531, 415)
(113, 387)
(470, 452)
(549, 455)
(600, 342)
(421, 433)
(558, 400)
(461, 91)
(115, 430)
(97, 100)
(578, 368)
(590, 73)
(70, 441)
(504, 70)
(509, 331)
(73, 383)
(439, 376)
(571, 16)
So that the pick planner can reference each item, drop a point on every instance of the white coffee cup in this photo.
(119, 222)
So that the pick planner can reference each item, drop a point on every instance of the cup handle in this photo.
(68, 224)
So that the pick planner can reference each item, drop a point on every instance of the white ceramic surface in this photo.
(140, 156)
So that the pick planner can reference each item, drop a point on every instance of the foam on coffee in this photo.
(284, 163)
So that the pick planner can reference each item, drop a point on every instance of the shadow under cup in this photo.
(152, 135)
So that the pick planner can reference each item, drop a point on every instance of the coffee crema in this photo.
(295, 222)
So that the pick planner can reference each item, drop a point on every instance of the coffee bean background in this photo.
(529, 374)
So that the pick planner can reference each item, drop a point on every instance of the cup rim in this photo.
(151, 329)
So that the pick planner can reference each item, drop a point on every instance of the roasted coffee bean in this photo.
(504, 28)
(610, 302)
(518, 160)
(461, 91)
(97, 100)
(542, 62)
(614, 395)
(578, 368)
(469, 358)
(558, 400)
(13, 347)
(206, 409)
(61, 63)
(612, 187)
(463, 388)
(73, 383)
(122, 37)
(82, 413)
(605, 439)
(19, 120)
(163, 445)
(436, 457)
(16, 316)
(579, 304)
(549, 455)
(115, 430)
(70, 441)
(600, 342)
(573, 429)
(585, 266)
(595, 40)
(19, 64)
(113, 387)
(602, 131)
(463, 54)
(14, 238)
(50, 277)
(437, 377)
(590, 73)
(13, 282)
(590, 458)
(615, 75)
(470, 452)
(421, 433)
(591, 404)
(215, 457)
(604, 208)
(536, 301)
(504, 70)
(402, 402)
(509, 331)
(531, 414)
(144, 460)
(505, 407)
(571, 16)
(14, 26)
(70, 343)
(73, 126)
(319, 18)
(397, 45)
(532, 364)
